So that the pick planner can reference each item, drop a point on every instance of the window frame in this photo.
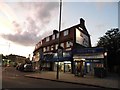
(47, 39)
(66, 32)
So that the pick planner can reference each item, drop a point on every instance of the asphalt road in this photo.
(11, 78)
(0, 77)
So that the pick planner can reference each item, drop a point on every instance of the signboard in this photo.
(90, 56)
(89, 50)
(81, 38)
(60, 53)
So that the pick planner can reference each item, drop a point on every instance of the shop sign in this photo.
(96, 56)
(88, 50)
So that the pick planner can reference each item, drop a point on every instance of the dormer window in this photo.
(57, 35)
(47, 39)
(66, 33)
(53, 37)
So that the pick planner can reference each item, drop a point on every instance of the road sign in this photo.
(60, 52)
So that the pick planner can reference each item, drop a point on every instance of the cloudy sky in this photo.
(24, 23)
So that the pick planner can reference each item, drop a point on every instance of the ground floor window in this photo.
(63, 66)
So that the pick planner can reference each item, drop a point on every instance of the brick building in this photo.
(16, 58)
(45, 53)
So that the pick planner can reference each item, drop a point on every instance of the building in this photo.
(45, 53)
(16, 58)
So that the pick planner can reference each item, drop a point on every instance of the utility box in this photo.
(100, 72)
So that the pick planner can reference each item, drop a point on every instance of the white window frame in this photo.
(47, 39)
(48, 48)
(57, 35)
(69, 44)
(53, 37)
(62, 45)
(44, 49)
(56, 46)
(52, 47)
(66, 32)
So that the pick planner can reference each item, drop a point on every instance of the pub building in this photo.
(76, 47)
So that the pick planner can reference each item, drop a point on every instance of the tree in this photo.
(111, 42)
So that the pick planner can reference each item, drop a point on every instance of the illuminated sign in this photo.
(95, 56)
(81, 38)
(88, 50)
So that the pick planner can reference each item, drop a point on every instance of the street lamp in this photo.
(105, 56)
(59, 49)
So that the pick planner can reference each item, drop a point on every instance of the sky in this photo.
(24, 23)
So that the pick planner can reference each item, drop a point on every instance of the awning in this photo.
(54, 58)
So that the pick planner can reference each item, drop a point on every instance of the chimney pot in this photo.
(82, 21)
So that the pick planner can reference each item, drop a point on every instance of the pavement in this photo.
(111, 81)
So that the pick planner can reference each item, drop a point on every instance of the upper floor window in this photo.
(53, 37)
(41, 42)
(62, 45)
(57, 36)
(65, 32)
(48, 48)
(69, 44)
(56, 46)
(44, 49)
(52, 47)
(47, 39)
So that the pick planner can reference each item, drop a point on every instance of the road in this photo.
(0, 77)
(11, 78)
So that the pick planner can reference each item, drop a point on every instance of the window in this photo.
(44, 49)
(56, 46)
(48, 48)
(57, 35)
(52, 47)
(65, 32)
(53, 37)
(47, 39)
(41, 42)
(62, 45)
(68, 44)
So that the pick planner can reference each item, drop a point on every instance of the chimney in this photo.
(55, 31)
(82, 21)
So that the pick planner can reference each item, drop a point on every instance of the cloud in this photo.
(37, 16)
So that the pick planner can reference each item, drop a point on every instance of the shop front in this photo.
(50, 61)
(87, 60)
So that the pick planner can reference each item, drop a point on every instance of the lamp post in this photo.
(105, 54)
(59, 51)
(106, 66)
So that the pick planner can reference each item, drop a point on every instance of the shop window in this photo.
(65, 32)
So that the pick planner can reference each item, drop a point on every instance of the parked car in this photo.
(20, 67)
(28, 67)
(24, 67)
